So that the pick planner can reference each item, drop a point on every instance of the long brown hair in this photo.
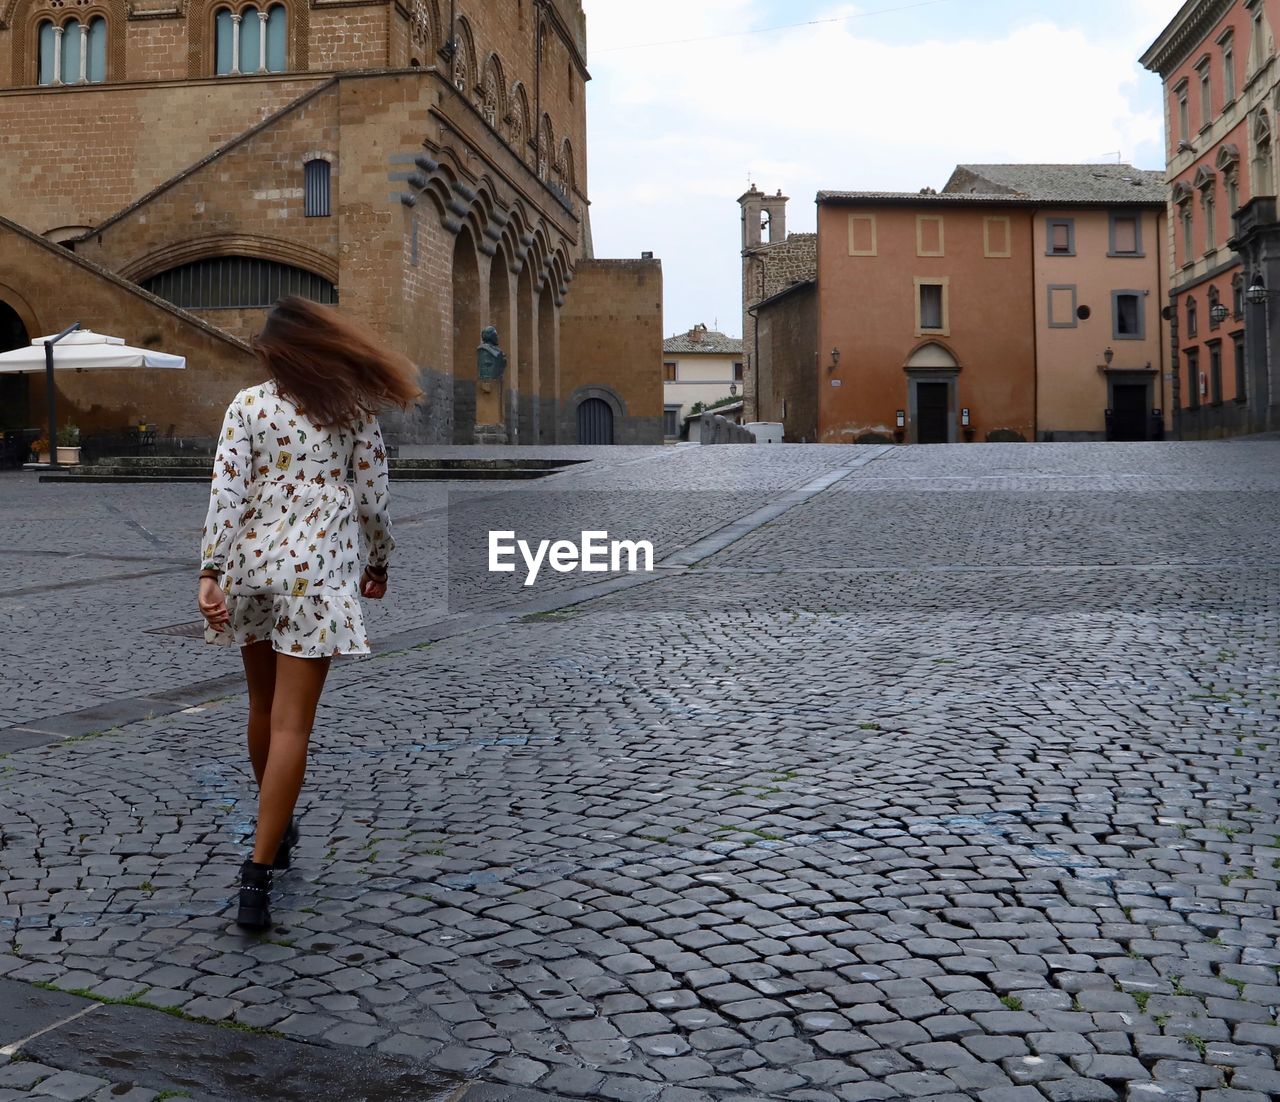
(334, 369)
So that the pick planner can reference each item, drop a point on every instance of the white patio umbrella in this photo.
(81, 349)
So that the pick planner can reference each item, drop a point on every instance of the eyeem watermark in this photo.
(594, 554)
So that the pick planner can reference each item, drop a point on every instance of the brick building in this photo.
(1021, 302)
(1217, 59)
(422, 164)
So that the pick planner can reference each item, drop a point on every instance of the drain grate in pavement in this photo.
(182, 631)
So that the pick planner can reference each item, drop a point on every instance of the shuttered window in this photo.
(316, 176)
(238, 282)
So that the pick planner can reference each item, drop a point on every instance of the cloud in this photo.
(677, 130)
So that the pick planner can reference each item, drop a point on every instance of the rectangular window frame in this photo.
(1187, 219)
(1205, 71)
(1073, 321)
(853, 251)
(737, 371)
(671, 416)
(1209, 208)
(1136, 218)
(1215, 371)
(921, 219)
(1228, 43)
(1141, 297)
(1193, 378)
(987, 250)
(934, 281)
(1183, 110)
(1241, 366)
(1049, 225)
(670, 371)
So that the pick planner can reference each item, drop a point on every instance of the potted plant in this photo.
(40, 449)
(69, 444)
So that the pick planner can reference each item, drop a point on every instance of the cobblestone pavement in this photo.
(956, 780)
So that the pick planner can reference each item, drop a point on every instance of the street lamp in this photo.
(1218, 314)
(733, 390)
(1257, 291)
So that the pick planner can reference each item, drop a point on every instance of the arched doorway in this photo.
(466, 336)
(931, 394)
(595, 422)
(15, 397)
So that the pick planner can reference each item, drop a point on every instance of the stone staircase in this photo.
(199, 468)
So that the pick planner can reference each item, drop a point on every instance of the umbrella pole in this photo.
(51, 399)
(51, 395)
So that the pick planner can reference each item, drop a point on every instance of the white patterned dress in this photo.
(284, 525)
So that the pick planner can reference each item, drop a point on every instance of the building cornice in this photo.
(1179, 39)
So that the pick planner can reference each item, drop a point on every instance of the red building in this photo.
(1217, 61)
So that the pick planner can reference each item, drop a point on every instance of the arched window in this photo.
(464, 57)
(491, 105)
(48, 53)
(518, 121)
(73, 53)
(546, 149)
(1192, 327)
(1237, 296)
(252, 40)
(238, 282)
(316, 181)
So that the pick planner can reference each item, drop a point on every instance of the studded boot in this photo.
(255, 897)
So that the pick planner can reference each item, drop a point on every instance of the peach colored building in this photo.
(1022, 302)
(1098, 231)
(1217, 61)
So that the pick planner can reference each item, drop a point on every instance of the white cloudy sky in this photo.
(892, 95)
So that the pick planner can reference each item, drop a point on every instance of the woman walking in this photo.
(281, 545)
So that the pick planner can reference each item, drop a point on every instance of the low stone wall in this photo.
(714, 429)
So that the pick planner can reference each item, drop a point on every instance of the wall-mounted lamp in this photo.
(901, 419)
(733, 390)
(964, 417)
(835, 358)
(1219, 314)
(1257, 292)
(1109, 355)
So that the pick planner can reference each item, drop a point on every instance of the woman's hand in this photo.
(213, 604)
(373, 588)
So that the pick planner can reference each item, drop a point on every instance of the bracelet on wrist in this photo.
(376, 572)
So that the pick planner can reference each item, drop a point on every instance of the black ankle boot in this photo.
(255, 897)
(285, 852)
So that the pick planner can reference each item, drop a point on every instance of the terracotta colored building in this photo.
(429, 175)
(1021, 302)
(1217, 61)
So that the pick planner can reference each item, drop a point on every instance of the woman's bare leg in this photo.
(260, 672)
(299, 682)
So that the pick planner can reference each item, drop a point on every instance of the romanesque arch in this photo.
(201, 40)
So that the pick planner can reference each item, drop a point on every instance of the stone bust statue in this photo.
(490, 359)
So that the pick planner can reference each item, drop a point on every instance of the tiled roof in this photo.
(1101, 183)
(918, 197)
(708, 341)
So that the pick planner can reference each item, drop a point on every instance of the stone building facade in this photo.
(769, 266)
(423, 165)
(1217, 61)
